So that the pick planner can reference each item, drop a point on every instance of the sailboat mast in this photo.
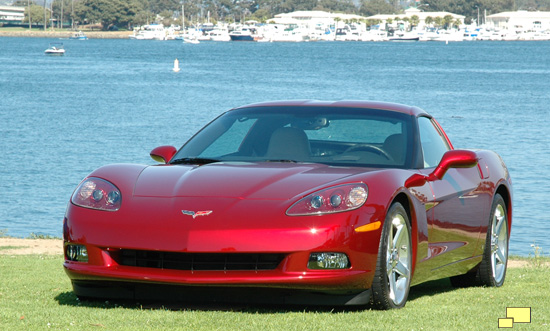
(182, 17)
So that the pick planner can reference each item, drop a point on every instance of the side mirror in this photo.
(163, 154)
(452, 159)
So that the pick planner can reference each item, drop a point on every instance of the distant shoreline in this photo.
(66, 34)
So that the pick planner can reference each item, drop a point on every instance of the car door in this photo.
(454, 221)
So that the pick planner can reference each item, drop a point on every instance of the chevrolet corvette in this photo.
(340, 203)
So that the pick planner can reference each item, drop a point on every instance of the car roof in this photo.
(396, 107)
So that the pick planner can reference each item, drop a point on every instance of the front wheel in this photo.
(392, 278)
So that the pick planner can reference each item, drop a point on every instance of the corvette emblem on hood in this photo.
(196, 213)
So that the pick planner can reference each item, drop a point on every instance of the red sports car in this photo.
(346, 202)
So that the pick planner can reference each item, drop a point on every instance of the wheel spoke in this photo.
(398, 238)
(499, 220)
(500, 256)
(402, 269)
(393, 286)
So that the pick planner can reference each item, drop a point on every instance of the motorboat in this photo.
(219, 34)
(79, 36)
(55, 49)
(404, 36)
(243, 34)
(150, 32)
(191, 40)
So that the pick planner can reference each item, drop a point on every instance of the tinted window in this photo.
(339, 136)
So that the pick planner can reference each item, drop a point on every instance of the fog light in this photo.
(328, 261)
(77, 253)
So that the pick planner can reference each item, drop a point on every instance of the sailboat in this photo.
(176, 66)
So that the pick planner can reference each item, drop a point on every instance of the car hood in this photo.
(272, 181)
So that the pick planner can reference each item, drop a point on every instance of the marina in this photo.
(413, 25)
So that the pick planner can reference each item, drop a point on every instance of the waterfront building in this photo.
(520, 21)
(320, 24)
(12, 14)
(422, 16)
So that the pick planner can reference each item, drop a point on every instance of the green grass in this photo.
(35, 294)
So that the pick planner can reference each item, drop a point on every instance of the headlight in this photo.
(98, 194)
(335, 199)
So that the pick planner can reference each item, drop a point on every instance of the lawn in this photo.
(35, 294)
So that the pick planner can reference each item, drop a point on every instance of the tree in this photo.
(415, 20)
(429, 20)
(457, 23)
(447, 21)
(438, 21)
(106, 12)
(374, 7)
(37, 14)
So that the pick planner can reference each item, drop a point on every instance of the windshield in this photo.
(330, 135)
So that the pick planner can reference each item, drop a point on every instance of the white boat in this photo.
(55, 49)
(404, 36)
(176, 66)
(284, 33)
(79, 36)
(191, 40)
(374, 35)
(448, 35)
(150, 32)
(219, 35)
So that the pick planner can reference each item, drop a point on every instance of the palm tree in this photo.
(429, 20)
(438, 21)
(415, 20)
(448, 20)
(457, 23)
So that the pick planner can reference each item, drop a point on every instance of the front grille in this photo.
(199, 261)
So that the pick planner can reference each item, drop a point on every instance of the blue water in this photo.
(112, 101)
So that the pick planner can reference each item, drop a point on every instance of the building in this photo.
(413, 11)
(312, 18)
(520, 21)
(11, 14)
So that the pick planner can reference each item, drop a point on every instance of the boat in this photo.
(404, 36)
(191, 40)
(219, 34)
(79, 36)
(243, 34)
(176, 65)
(150, 32)
(55, 49)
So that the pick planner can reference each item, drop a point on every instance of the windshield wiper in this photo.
(194, 160)
(282, 161)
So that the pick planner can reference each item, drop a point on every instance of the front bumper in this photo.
(105, 268)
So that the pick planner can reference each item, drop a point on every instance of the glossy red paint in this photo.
(360, 104)
(163, 154)
(244, 205)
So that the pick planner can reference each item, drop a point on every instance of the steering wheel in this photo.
(369, 148)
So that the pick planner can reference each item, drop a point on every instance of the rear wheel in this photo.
(492, 270)
(392, 278)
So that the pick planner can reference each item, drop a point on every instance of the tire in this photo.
(492, 269)
(392, 277)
